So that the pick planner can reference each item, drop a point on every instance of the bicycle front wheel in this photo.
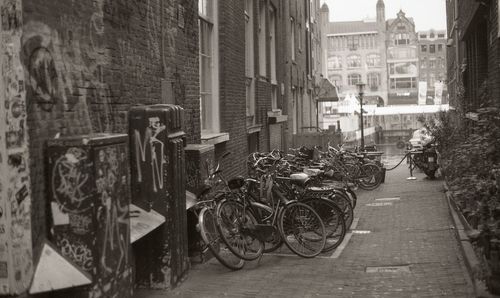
(302, 230)
(211, 236)
(237, 226)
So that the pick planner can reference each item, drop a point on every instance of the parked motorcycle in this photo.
(425, 159)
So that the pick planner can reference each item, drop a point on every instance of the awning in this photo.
(143, 222)
(327, 92)
(56, 272)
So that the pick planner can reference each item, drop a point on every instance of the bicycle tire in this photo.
(371, 177)
(312, 238)
(236, 225)
(342, 201)
(274, 241)
(333, 219)
(210, 235)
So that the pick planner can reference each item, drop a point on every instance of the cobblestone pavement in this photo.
(414, 231)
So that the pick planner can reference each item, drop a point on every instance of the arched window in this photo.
(373, 60)
(353, 79)
(334, 62)
(354, 61)
(373, 80)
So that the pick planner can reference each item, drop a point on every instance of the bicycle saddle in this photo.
(299, 179)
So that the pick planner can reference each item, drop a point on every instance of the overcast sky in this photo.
(426, 13)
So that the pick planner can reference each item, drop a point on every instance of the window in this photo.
(373, 60)
(432, 35)
(336, 80)
(423, 35)
(403, 68)
(249, 63)
(274, 97)
(432, 63)
(423, 63)
(272, 43)
(432, 48)
(209, 72)
(292, 37)
(423, 48)
(354, 61)
(334, 62)
(402, 39)
(441, 35)
(373, 80)
(262, 38)
(402, 53)
(353, 42)
(299, 37)
(353, 79)
(440, 47)
(432, 80)
(403, 83)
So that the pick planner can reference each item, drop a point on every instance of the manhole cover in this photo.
(361, 232)
(388, 199)
(379, 204)
(389, 269)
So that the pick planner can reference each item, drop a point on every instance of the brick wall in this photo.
(87, 62)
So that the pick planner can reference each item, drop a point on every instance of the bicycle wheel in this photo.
(342, 201)
(211, 236)
(302, 229)
(263, 215)
(370, 177)
(333, 219)
(237, 226)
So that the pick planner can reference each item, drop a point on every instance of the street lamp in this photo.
(316, 90)
(361, 86)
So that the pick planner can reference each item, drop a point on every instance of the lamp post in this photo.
(316, 90)
(361, 86)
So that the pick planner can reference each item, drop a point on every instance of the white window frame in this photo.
(262, 36)
(212, 118)
(249, 61)
(292, 37)
(272, 43)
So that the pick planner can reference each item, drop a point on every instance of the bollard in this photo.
(158, 179)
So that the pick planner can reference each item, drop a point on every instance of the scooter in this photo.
(426, 160)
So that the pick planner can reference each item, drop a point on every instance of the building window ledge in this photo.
(254, 128)
(214, 138)
(276, 117)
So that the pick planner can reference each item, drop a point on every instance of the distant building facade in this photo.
(432, 64)
(402, 60)
(356, 53)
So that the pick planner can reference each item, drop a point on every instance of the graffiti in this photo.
(192, 177)
(77, 251)
(10, 15)
(156, 152)
(132, 60)
(68, 181)
(80, 224)
(112, 215)
(179, 89)
(43, 78)
(153, 20)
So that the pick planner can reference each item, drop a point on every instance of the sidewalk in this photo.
(410, 238)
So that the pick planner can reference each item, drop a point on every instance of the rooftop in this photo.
(352, 27)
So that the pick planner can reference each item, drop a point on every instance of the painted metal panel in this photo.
(55, 272)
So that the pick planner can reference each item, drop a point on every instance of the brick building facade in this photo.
(77, 68)
(473, 53)
(432, 64)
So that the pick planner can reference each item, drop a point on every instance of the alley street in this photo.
(403, 228)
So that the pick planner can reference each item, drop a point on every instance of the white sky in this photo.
(427, 14)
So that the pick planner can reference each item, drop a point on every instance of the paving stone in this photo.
(414, 231)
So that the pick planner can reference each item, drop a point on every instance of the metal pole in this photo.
(362, 122)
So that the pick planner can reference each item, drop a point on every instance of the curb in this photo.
(471, 261)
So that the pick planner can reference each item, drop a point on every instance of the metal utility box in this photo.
(89, 189)
(158, 185)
